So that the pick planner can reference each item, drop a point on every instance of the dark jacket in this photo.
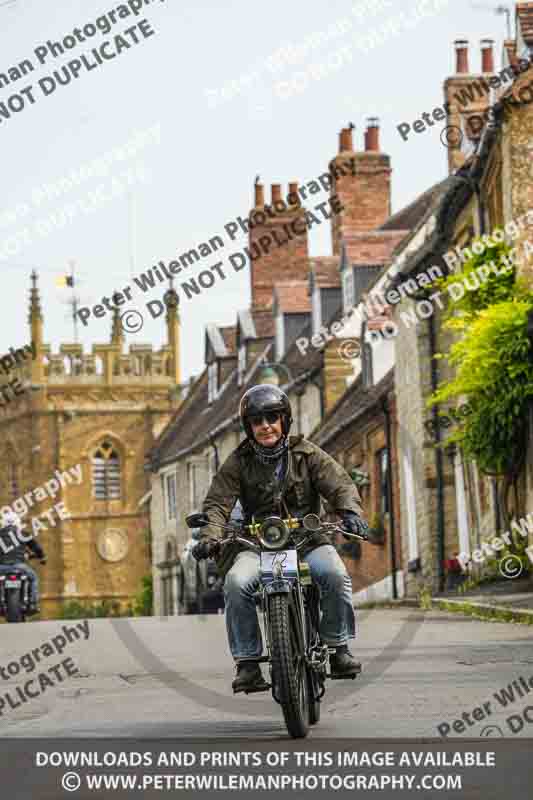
(311, 474)
(12, 549)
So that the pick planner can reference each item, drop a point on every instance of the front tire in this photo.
(289, 672)
(14, 610)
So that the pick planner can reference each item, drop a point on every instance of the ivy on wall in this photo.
(492, 360)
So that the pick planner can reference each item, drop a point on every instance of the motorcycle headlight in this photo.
(273, 534)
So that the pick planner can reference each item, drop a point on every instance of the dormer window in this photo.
(212, 381)
(348, 289)
(242, 362)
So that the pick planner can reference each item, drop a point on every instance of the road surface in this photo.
(171, 677)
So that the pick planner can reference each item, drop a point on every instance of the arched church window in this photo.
(106, 472)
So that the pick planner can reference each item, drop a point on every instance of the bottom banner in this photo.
(48, 769)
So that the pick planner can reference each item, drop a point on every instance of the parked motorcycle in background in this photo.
(200, 588)
(15, 593)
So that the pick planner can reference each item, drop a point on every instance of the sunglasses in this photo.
(270, 416)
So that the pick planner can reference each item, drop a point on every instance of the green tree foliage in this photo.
(492, 364)
(144, 602)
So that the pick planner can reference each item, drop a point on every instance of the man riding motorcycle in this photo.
(13, 544)
(272, 473)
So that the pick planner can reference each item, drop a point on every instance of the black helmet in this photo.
(260, 399)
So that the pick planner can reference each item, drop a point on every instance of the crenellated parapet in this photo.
(108, 363)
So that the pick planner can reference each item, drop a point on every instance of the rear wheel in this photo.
(14, 611)
(289, 671)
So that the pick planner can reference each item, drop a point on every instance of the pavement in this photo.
(507, 595)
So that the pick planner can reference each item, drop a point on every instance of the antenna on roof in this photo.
(499, 9)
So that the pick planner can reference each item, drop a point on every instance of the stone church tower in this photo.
(103, 412)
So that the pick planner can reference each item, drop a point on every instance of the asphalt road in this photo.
(171, 677)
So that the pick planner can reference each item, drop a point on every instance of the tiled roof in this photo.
(292, 297)
(524, 16)
(297, 363)
(216, 340)
(196, 419)
(350, 407)
(407, 218)
(182, 425)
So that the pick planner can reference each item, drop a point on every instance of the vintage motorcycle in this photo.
(289, 602)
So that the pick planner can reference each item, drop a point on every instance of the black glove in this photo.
(206, 548)
(354, 524)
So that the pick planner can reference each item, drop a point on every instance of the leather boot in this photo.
(343, 664)
(249, 678)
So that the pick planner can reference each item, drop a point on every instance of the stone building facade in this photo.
(290, 336)
(101, 411)
(455, 506)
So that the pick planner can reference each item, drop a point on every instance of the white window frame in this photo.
(317, 310)
(461, 504)
(280, 337)
(242, 362)
(410, 494)
(196, 469)
(212, 379)
(348, 289)
(171, 510)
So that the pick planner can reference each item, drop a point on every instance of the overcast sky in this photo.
(200, 175)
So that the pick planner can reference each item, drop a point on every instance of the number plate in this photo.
(288, 560)
(12, 584)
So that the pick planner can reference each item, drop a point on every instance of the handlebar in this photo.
(325, 527)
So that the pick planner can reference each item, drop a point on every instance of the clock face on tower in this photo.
(112, 545)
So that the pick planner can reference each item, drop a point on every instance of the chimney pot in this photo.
(487, 55)
(293, 198)
(276, 193)
(510, 46)
(259, 195)
(461, 53)
(345, 140)
(372, 135)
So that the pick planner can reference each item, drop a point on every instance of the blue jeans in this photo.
(337, 623)
(34, 584)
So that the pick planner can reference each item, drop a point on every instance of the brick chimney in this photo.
(259, 191)
(361, 181)
(468, 96)
(372, 135)
(487, 56)
(461, 56)
(277, 243)
(510, 47)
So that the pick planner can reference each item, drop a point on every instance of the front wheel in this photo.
(14, 611)
(289, 671)
(314, 684)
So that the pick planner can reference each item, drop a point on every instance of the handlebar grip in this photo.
(363, 536)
